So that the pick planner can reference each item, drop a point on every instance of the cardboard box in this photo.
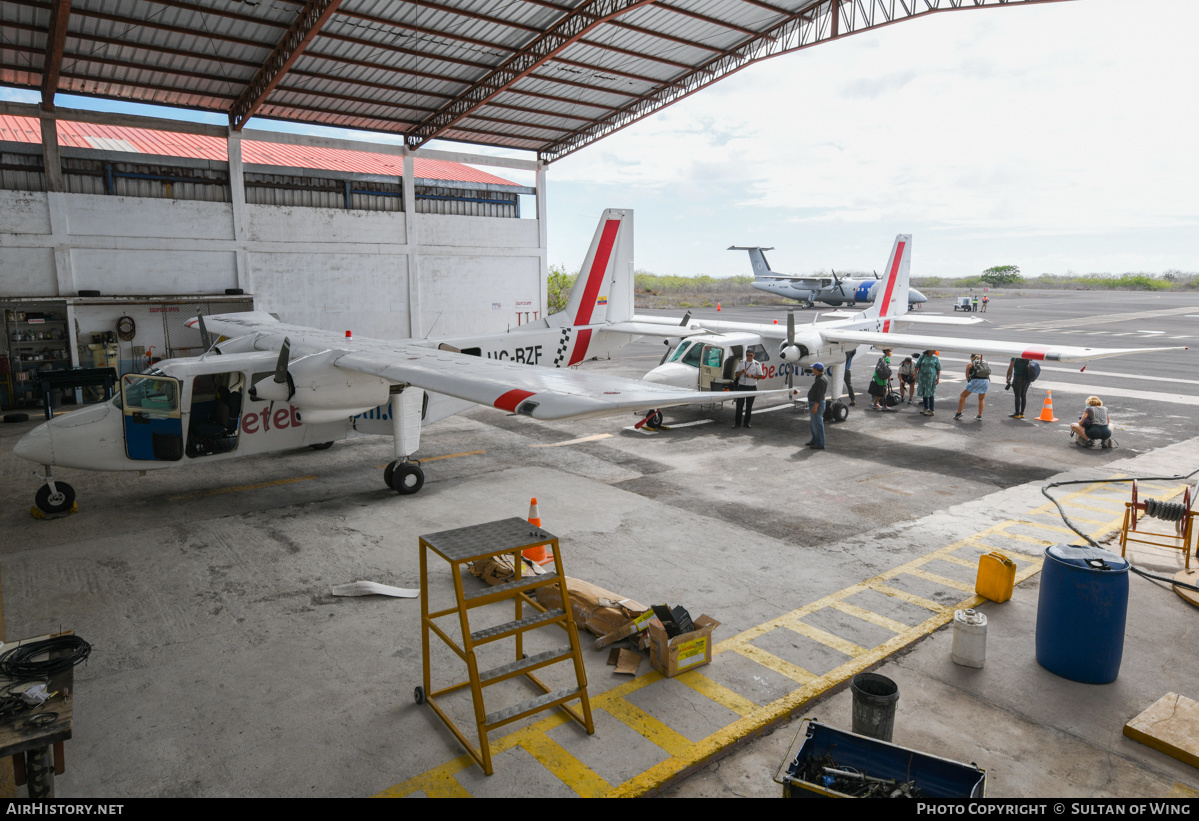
(594, 609)
(682, 653)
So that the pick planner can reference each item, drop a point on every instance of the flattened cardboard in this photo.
(682, 653)
(595, 609)
(627, 662)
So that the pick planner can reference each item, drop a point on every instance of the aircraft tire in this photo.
(404, 478)
(16, 417)
(55, 503)
(655, 421)
(840, 411)
(321, 446)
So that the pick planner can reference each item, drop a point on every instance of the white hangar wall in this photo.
(382, 273)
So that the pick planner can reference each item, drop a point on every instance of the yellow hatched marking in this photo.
(568, 769)
(827, 639)
(871, 616)
(1041, 526)
(910, 598)
(1052, 511)
(647, 726)
(772, 662)
(722, 695)
(258, 486)
(958, 560)
(943, 581)
(684, 753)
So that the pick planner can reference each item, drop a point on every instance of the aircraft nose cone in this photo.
(36, 446)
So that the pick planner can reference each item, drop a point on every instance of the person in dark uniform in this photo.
(747, 373)
(816, 402)
(1017, 380)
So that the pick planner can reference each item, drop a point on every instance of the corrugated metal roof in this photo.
(544, 75)
(196, 146)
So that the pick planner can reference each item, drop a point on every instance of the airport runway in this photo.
(222, 666)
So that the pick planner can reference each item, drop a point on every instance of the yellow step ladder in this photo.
(461, 548)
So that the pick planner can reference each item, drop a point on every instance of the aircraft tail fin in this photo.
(603, 291)
(757, 258)
(892, 300)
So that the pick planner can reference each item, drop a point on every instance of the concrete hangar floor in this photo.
(222, 666)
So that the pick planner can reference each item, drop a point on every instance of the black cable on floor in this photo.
(65, 652)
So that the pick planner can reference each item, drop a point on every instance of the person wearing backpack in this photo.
(878, 382)
(1019, 377)
(978, 379)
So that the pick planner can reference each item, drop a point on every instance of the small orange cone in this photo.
(1047, 410)
(538, 554)
(718, 306)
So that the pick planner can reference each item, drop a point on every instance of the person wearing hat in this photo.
(816, 401)
(878, 382)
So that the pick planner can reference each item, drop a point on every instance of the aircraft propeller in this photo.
(205, 339)
(791, 343)
(282, 375)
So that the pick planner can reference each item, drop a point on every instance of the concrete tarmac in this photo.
(222, 666)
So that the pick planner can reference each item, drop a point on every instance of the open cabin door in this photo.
(152, 419)
(711, 366)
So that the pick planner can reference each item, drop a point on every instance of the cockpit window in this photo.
(150, 393)
(760, 353)
(692, 356)
(679, 350)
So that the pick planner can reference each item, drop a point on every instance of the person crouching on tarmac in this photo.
(748, 370)
(1095, 424)
(816, 401)
(907, 380)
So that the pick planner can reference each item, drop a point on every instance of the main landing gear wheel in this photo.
(655, 421)
(404, 477)
(838, 411)
(321, 446)
(59, 502)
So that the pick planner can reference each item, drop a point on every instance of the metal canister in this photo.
(969, 638)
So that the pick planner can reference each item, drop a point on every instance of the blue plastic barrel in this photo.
(1081, 613)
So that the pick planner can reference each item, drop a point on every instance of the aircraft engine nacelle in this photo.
(239, 344)
(324, 392)
(798, 351)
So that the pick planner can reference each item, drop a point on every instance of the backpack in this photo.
(1034, 370)
(981, 370)
(882, 370)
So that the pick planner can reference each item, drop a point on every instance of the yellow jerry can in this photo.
(996, 577)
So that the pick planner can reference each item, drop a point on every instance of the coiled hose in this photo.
(1168, 511)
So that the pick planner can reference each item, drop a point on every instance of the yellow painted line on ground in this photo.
(722, 695)
(258, 486)
(960, 562)
(827, 639)
(647, 726)
(943, 581)
(685, 753)
(574, 441)
(871, 616)
(565, 767)
(903, 595)
(438, 458)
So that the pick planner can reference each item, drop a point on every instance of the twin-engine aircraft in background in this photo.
(832, 290)
(266, 386)
(706, 359)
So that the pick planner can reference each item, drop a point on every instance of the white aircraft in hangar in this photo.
(267, 386)
(834, 290)
(706, 358)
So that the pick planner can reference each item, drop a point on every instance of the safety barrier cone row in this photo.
(538, 554)
(1047, 410)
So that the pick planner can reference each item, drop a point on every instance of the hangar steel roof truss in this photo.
(550, 76)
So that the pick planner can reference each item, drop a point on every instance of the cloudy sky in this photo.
(1059, 138)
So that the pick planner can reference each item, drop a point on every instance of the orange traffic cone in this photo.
(538, 554)
(718, 306)
(1047, 410)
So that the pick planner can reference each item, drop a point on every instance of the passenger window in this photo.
(692, 357)
(760, 353)
(150, 393)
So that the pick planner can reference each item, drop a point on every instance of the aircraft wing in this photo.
(653, 329)
(812, 284)
(1023, 350)
(531, 390)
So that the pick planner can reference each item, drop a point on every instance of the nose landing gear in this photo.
(53, 498)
